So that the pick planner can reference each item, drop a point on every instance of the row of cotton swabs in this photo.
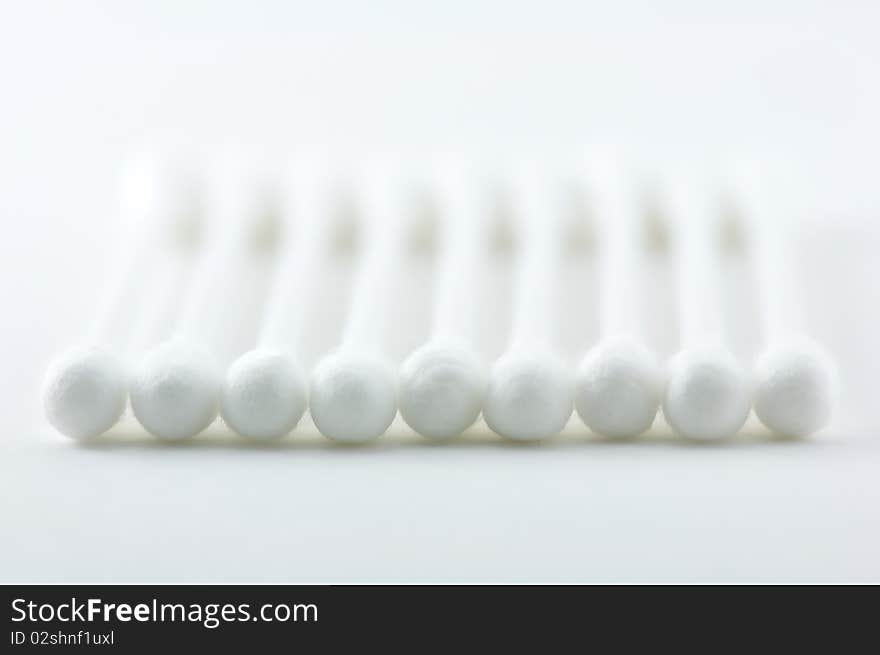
(178, 387)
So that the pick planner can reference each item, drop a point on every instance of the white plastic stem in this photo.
(464, 236)
(540, 251)
(306, 221)
(620, 254)
(112, 323)
(765, 224)
(228, 275)
(151, 208)
(384, 238)
(170, 275)
(695, 229)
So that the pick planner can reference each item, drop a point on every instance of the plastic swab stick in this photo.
(620, 382)
(707, 393)
(443, 383)
(796, 381)
(175, 387)
(531, 391)
(353, 392)
(84, 392)
(266, 390)
(170, 276)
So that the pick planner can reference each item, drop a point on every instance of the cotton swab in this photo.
(796, 381)
(84, 392)
(266, 389)
(175, 387)
(443, 383)
(619, 383)
(530, 393)
(707, 393)
(353, 392)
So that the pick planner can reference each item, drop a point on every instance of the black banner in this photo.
(149, 617)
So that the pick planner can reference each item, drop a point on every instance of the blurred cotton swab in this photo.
(266, 389)
(443, 383)
(707, 392)
(85, 392)
(796, 381)
(353, 392)
(620, 382)
(530, 392)
(175, 387)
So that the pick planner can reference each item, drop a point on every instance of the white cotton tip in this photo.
(707, 394)
(441, 390)
(353, 396)
(796, 387)
(84, 392)
(175, 390)
(619, 388)
(530, 396)
(264, 394)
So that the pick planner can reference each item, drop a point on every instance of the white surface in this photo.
(81, 85)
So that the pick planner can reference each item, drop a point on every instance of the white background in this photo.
(80, 83)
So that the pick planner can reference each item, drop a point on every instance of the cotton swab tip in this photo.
(175, 390)
(353, 396)
(442, 387)
(796, 387)
(264, 394)
(707, 394)
(84, 392)
(530, 395)
(619, 388)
